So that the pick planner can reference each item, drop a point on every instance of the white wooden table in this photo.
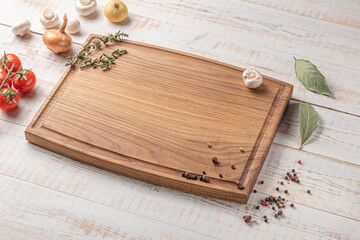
(44, 195)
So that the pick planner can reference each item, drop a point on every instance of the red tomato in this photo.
(10, 60)
(12, 97)
(2, 77)
(25, 83)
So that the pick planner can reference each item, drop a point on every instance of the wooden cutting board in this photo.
(152, 115)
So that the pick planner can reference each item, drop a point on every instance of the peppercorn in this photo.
(280, 213)
(200, 178)
(277, 189)
(295, 174)
(299, 162)
(183, 174)
(262, 182)
(286, 178)
(273, 208)
(292, 205)
(293, 170)
(188, 175)
(194, 178)
(288, 174)
(248, 219)
(255, 191)
(308, 191)
(297, 181)
(283, 206)
(257, 207)
(265, 216)
(286, 191)
(209, 145)
(215, 160)
(220, 175)
(276, 216)
(282, 183)
(232, 166)
(205, 178)
(204, 172)
(242, 150)
(241, 187)
(266, 220)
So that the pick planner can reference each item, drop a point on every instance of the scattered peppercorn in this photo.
(194, 178)
(209, 145)
(293, 170)
(204, 172)
(244, 217)
(299, 162)
(262, 182)
(232, 166)
(242, 150)
(215, 160)
(200, 178)
(257, 207)
(297, 181)
(248, 219)
(241, 187)
(205, 178)
(188, 175)
(183, 174)
(255, 191)
(282, 183)
(283, 206)
(220, 175)
(286, 178)
(295, 174)
(276, 216)
(292, 205)
(308, 191)
(273, 208)
(277, 189)
(266, 220)
(265, 216)
(280, 213)
(286, 191)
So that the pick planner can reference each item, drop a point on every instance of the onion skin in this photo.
(58, 41)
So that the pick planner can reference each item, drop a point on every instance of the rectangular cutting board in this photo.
(152, 115)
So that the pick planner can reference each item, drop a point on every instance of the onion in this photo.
(58, 41)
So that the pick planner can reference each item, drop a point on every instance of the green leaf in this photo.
(309, 120)
(311, 77)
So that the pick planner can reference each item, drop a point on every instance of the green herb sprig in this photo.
(105, 60)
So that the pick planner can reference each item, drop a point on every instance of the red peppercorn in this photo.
(283, 206)
(233, 166)
(299, 161)
(262, 182)
(244, 217)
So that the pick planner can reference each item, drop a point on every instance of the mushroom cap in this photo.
(85, 8)
(21, 27)
(49, 18)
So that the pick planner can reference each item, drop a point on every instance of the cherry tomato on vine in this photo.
(9, 99)
(9, 59)
(2, 77)
(25, 81)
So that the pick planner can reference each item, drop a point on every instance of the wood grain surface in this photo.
(48, 196)
(152, 115)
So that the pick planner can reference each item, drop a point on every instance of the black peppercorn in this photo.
(257, 207)
(286, 178)
(266, 220)
(277, 189)
(286, 191)
(183, 174)
(276, 216)
(200, 178)
(280, 213)
(220, 175)
(194, 178)
(215, 160)
(308, 191)
(295, 174)
(273, 208)
(282, 183)
(255, 191)
(204, 172)
(247, 219)
(293, 170)
(292, 205)
(241, 187)
(209, 145)
(188, 175)
(297, 181)
(288, 173)
(265, 216)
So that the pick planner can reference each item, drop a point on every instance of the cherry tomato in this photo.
(26, 82)
(10, 60)
(11, 96)
(2, 77)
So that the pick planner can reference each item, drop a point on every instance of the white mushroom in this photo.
(21, 28)
(252, 78)
(48, 18)
(85, 7)
(73, 25)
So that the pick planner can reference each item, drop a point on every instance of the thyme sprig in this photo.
(104, 61)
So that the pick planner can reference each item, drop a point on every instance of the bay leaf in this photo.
(310, 76)
(309, 120)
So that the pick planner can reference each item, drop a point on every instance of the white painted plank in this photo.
(33, 212)
(345, 12)
(190, 27)
(326, 177)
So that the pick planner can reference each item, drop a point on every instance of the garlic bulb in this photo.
(21, 28)
(73, 26)
(58, 41)
(252, 78)
(48, 18)
(85, 7)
